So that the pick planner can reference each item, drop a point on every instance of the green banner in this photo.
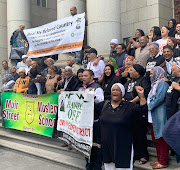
(31, 113)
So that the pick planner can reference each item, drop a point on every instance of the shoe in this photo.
(154, 163)
(64, 145)
(159, 166)
(142, 161)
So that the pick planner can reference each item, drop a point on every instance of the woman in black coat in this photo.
(116, 122)
(140, 125)
(109, 79)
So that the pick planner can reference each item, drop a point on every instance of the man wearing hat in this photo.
(97, 69)
(22, 64)
(155, 59)
(113, 45)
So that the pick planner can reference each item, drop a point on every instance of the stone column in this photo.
(103, 24)
(18, 12)
(63, 10)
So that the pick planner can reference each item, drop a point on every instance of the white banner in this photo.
(61, 36)
(75, 120)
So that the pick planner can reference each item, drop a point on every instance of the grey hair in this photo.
(51, 60)
(29, 59)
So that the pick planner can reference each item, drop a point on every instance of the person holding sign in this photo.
(116, 122)
(89, 83)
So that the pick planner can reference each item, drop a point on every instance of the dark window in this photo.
(43, 3)
(38, 2)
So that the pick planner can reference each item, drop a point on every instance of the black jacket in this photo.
(73, 85)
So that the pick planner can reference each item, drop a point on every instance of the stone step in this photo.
(60, 158)
(39, 143)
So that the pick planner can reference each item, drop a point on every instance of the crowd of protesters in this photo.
(139, 88)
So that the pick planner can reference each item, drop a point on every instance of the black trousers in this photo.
(140, 139)
(95, 162)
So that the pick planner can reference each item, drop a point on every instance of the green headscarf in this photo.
(114, 63)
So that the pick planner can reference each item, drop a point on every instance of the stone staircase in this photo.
(49, 149)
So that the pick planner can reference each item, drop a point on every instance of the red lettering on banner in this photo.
(11, 105)
(47, 108)
(79, 131)
(10, 115)
(45, 121)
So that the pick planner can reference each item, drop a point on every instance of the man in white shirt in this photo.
(97, 69)
(22, 64)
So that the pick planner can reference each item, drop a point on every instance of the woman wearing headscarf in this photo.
(80, 75)
(9, 83)
(109, 78)
(112, 62)
(137, 78)
(172, 26)
(116, 122)
(154, 35)
(133, 43)
(157, 115)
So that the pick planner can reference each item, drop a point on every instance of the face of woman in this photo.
(80, 76)
(110, 62)
(133, 73)
(170, 24)
(164, 31)
(107, 71)
(50, 71)
(170, 43)
(178, 28)
(22, 74)
(137, 34)
(129, 63)
(116, 94)
(151, 74)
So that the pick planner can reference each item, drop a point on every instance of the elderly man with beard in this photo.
(113, 44)
(155, 59)
(142, 53)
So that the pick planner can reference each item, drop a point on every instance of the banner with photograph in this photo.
(75, 120)
(31, 113)
(61, 36)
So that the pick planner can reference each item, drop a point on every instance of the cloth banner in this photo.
(75, 120)
(61, 36)
(31, 113)
(19, 45)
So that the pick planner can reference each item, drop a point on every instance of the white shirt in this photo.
(21, 65)
(177, 36)
(98, 69)
(149, 112)
(99, 95)
(161, 43)
(27, 69)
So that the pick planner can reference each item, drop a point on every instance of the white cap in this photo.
(121, 87)
(24, 56)
(115, 41)
(68, 67)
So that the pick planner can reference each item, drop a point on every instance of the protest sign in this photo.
(61, 36)
(31, 113)
(19, 45)
(75, 120)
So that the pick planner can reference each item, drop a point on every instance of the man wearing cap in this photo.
(113, 45)
(155, 59)
(168, 55)
(142, 53)
(70, 82)
(22, 64)
(97, 69)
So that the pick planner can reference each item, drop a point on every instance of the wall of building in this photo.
(144, 14)
(41, 15)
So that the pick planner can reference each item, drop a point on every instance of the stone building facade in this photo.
(107, 19)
